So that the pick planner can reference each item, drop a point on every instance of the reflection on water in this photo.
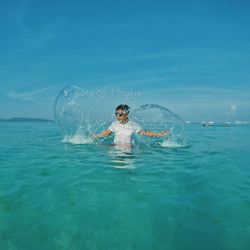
(122, 156)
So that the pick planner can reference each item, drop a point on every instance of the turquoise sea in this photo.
(56, 195)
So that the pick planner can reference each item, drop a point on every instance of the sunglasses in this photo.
(120, 114)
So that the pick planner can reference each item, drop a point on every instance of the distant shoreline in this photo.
(25, 119)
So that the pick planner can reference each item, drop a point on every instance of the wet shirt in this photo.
(124, 132)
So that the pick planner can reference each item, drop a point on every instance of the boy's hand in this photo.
(165, 132)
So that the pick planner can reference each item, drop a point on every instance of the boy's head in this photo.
(123, 107)
(121, 112)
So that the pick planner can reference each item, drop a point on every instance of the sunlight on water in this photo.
(122, 156)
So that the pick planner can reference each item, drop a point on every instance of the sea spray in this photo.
(82, 113)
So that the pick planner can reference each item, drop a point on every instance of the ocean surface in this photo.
(57, 195)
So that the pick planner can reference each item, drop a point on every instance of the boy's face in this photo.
(121, 115)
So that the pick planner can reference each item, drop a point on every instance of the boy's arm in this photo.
(103, 134)
(151, 133)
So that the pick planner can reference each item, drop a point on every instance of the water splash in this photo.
(157, 118)
(78, 139)
(82, 113)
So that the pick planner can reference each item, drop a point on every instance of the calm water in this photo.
(55, 195)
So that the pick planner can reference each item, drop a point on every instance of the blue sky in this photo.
(192, 57)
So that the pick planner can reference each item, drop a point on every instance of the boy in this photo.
(124, 128)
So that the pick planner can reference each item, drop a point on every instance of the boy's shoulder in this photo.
(132, 123)
(114, 123)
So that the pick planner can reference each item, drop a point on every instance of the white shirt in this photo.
(124, 132)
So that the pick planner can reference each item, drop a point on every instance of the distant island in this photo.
(25, 119)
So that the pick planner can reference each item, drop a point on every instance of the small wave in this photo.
(171, 144)
(78, 139)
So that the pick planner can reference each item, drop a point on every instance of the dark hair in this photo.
(123, 107)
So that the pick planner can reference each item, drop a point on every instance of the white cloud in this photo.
(232, 109)
(28, 96)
